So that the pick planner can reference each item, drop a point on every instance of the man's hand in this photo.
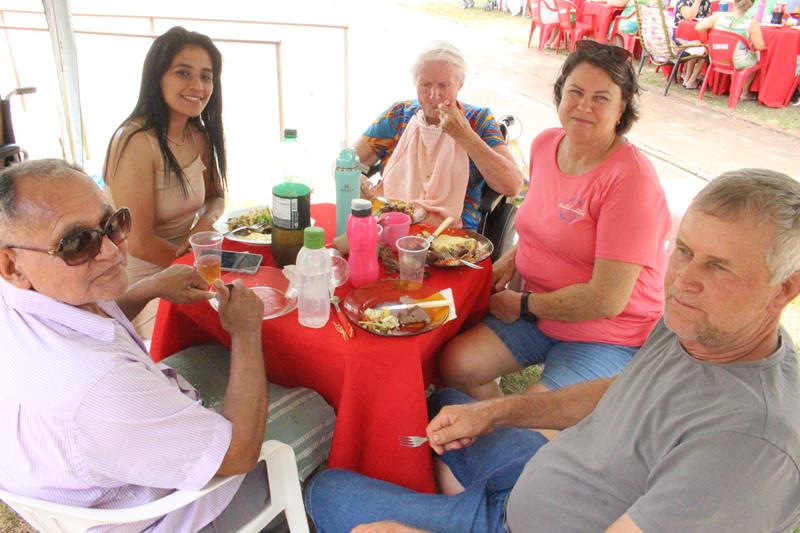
(181, 284)
(457, 426)
(453, 121)
(177, 283)
(385, 526)
(505, 305)
(240, 309)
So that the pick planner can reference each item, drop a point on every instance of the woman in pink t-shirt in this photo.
(591, 252)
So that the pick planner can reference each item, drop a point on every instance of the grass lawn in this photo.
(516, 29)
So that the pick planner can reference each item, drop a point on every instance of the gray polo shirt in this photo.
(680, 444)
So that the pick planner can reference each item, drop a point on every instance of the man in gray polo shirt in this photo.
(701, 432)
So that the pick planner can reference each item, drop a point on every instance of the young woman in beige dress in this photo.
(166, 161)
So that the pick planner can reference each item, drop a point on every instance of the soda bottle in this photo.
(291, 214)
(348, 186)
(314, 267)
(295, 160)
(362, 235)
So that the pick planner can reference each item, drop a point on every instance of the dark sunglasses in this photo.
(84, 245)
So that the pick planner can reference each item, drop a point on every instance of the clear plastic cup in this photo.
(412, 252)
(207, 249)
(340, 269)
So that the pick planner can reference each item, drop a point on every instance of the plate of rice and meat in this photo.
(367, 307)
(454, 244)
(242, 218)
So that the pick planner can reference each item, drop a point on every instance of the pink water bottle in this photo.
(362, 236)
(760, 10)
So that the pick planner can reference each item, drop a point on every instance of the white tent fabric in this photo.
(62, 39)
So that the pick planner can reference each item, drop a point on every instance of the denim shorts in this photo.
(565, 363)
(338, 500)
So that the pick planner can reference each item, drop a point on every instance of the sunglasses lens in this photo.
(84, 245)
(119, 225)
(80, 247)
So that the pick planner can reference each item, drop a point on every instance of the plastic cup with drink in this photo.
(412, 252)
(207, 249)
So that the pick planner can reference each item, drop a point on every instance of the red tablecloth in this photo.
(600, 16)
(376, 384)
(778, 62)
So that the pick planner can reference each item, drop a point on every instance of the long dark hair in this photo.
(152, 109)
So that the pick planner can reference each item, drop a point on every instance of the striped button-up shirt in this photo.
(87, 419)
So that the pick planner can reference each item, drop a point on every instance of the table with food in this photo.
(373, 359)
(774, 81)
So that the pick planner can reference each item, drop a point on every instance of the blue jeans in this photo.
(565, 363)
(339, 500)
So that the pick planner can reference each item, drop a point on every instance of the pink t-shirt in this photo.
(616, 211)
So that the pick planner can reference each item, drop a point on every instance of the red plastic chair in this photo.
(571, 31)
(629, 40)
(545, 30)
(721, 46)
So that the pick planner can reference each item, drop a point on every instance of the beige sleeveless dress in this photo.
(174, 211)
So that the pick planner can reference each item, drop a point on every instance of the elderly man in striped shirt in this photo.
(86, 417)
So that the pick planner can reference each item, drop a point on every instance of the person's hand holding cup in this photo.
(207, 248)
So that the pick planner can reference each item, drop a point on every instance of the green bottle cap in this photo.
(313, 237)
(289, 134)
(291, 189)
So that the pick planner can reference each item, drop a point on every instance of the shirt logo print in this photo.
(571, 210)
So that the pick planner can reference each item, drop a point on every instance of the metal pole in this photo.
(279, 70)
(347, 86)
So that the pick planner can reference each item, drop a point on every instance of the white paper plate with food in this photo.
(416, 212)
(242, 218)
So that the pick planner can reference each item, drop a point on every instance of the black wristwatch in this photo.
(524, 311)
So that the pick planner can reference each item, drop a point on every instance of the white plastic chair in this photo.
(284, 495)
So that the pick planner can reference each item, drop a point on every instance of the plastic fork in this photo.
(410, 441)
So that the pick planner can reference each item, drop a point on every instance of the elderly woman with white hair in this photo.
(436, 150)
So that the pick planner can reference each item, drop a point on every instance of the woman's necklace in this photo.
(176, 143)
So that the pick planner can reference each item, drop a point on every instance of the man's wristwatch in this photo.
(524, 311)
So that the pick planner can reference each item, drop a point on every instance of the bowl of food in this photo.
(383, 206)
(453, 245)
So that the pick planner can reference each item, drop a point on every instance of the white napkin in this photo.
(448, 295)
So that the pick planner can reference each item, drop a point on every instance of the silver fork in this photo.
(410, 441)
(448, 256)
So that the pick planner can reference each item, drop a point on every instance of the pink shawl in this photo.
(429, 168)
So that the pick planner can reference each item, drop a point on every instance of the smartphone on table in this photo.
(240, 262)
